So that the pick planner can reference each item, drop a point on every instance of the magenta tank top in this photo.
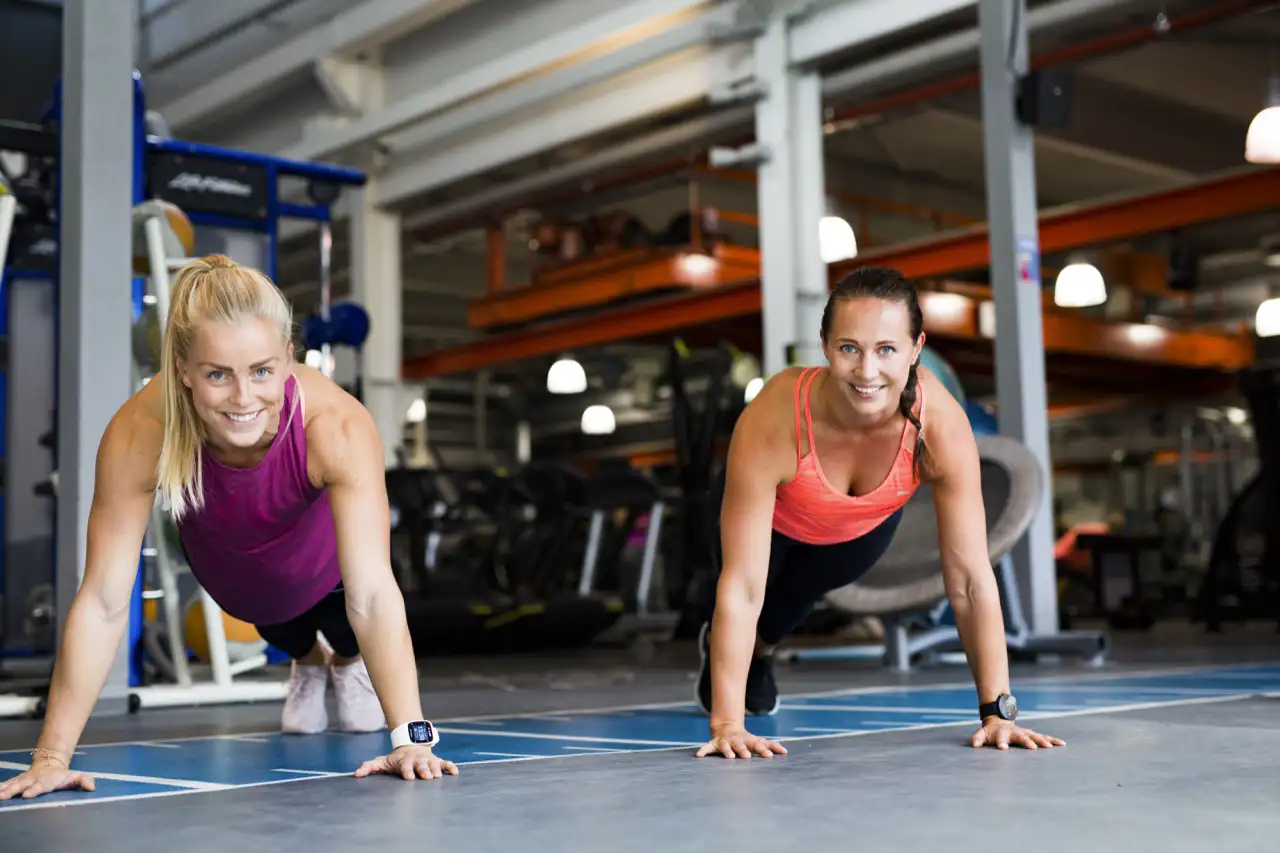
(264, 545)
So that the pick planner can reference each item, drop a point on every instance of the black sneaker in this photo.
(762, 691)
(703, 691)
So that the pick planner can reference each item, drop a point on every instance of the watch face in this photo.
(1008, 707)
(420, 732)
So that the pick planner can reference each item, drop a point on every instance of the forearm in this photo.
(89, 643)
(383, 634)
(733, 639)
(980, 623)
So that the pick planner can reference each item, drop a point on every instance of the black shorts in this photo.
(297, 637)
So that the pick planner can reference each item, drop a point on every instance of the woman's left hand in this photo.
(410, 762)
(1003, 733)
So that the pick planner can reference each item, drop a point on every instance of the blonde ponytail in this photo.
(213, 288)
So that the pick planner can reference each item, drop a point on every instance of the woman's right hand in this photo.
(45, 775)
(736, 742)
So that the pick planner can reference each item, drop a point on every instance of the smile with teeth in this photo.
(242, 418)
(867, 390)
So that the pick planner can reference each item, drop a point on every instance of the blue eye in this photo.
(214, 375)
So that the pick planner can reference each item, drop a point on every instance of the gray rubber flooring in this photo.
(1172, 746)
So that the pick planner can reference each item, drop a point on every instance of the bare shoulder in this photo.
(342, 439)
(764, 437)
(130, 447)
(947, 432)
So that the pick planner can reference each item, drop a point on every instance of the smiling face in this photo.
(870, 349)
(236, 373)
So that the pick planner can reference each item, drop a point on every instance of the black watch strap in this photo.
(1005, 707)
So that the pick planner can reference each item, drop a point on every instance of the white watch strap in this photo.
(400, 736)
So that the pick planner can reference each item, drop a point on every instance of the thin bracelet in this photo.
(55, 753)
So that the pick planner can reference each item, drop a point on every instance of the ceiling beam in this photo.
(364, 25)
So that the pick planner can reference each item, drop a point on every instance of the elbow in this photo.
(366, 602)
(736, 594)
(970, 588)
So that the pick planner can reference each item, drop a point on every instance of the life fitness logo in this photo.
(196, 183)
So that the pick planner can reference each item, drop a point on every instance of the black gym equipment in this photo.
(1242, 579)
(697, 432)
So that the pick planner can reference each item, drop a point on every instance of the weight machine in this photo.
(235, 201)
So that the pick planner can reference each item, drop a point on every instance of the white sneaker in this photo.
(304, 709)
(358, 707)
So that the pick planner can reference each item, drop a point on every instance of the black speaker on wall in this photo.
(1044, 98)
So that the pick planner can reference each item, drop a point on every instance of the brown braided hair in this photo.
(887, 283)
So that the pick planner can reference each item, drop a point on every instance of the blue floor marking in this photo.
(270, 758)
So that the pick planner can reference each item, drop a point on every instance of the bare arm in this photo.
(962, 535)
(755, 468)
(118, 516)
(352, 469)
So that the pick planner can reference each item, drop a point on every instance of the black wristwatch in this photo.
(1005, 707)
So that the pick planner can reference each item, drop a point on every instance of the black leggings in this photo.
(297, 637)
(800, 575)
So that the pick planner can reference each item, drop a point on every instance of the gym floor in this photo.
(1172, 745)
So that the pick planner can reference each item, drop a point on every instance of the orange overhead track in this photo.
(1220, 198)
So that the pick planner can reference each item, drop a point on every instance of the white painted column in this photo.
(377, 284)
(1013, 224)
(94, 356)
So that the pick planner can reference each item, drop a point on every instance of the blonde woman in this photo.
(275, 479)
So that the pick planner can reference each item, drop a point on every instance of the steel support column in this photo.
(1013, 230)
(790, 195)
(94, 354)
(377, 284)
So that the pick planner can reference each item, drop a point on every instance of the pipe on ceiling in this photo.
(931, 57)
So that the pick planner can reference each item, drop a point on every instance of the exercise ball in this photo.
(981, 418)
(145, 339)
(940, 368)
(243, 640)
(178, 235)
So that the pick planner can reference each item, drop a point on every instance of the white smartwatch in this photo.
(420, 732)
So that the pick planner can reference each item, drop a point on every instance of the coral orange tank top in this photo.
(809, 509)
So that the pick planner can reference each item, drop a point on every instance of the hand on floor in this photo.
(410, 762)
(737, 742)
(44, 777)
(1003, 733)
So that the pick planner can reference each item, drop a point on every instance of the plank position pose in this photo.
(820, 465)
(274, 476)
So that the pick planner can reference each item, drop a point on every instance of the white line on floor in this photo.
(507, 755)
(968, 712)
(544, 736)
(825, 731)
(149, 780)
(586, 749)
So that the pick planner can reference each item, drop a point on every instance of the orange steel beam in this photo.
(656, 316)
(1220, 198)
(947, 315)
(666, 271)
